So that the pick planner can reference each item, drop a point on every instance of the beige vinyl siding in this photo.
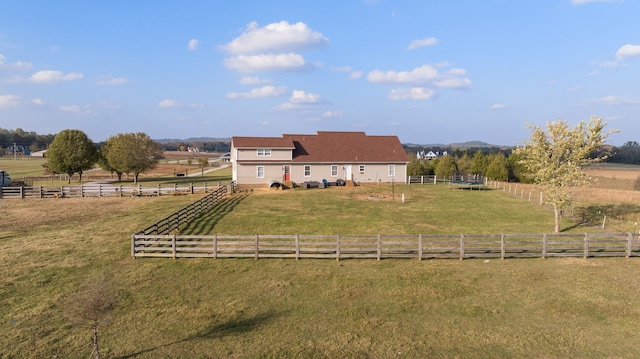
(252, 154)
(247, 173)
(373, 173)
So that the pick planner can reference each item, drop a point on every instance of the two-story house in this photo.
(331, 156)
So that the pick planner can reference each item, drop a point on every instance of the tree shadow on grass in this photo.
(206, 222)
(219, 330)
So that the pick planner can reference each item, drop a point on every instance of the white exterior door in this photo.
(347, 172)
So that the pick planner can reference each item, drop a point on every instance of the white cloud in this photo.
(414, 93)
(49, 76)
(247, 80)
(37, 101)
(172, 103)
(274, 38)
(422, 74)
(9, 101)
(425, 74)
(429, 41)
(497, 106)
(605, 63)
(355, 75)
(301, 100)
(261, 92)
(454, 83)
(71, 108)
(169, 103)
(111, 81)
(266, 63)
(617, 101)
(582, 2)
(332, 114)
(193, 44)
(15, 66)
(628, 51)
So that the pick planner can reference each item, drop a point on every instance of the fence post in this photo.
(629, 242)
(502, 246)
(215, 246)
(133, 246)
(338, 248)
(173, 245)
(158, 190)
(586, 245)
(461, 246)
(544, 245)
(435, 179)
(257, 247)
(379, 246)
(420, 246)
(297, 246)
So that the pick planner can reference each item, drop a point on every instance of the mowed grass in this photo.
(245, 308)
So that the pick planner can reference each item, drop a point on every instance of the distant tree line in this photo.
(202, 146)
(479, 163)
(19, 137)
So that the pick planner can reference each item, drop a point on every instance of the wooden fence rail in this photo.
(103, 191)
(173, 221)
(388, 246)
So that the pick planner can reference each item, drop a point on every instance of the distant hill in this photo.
(193, 139)
(461, 145)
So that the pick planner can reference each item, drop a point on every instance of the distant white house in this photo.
(423, 155)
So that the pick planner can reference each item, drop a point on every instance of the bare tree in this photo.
(91, 306)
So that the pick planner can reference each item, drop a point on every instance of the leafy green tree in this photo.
(132, 153)
(464, 164)
(71, 152)
(446, 166)
(416, 168)
(102, 159)
(554, 158)
(498, 168)
(479, 164)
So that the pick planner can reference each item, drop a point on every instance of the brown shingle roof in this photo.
(261, 142)
(333, 147)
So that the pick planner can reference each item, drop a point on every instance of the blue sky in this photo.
(427, 71)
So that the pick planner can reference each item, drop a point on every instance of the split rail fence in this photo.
(381, 247)
(183, 216)
(103, 191)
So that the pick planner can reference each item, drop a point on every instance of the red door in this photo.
(286, 170)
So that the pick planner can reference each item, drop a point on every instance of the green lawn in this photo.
(271, 308)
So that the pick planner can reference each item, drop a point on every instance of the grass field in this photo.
(25, 167)
(243, 308)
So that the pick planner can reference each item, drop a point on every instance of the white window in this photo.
(264, 152)
(392, 170)
(361, 168)
(307, 171)
(260, 171)
(334, 170)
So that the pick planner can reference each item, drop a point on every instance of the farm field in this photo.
(247, 308)
(165, 172)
